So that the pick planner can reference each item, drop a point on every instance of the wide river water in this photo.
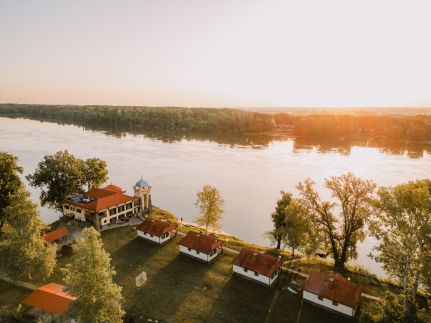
(249, 178)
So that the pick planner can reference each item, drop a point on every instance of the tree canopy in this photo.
(24, 252)
(341, 233)
(10, 182)
(62, 175)
(89, 277)
(210, 205)
(402, 225)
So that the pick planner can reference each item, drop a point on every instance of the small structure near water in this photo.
(259, 267)
(201, 246)
(156, 231)
(333, 292)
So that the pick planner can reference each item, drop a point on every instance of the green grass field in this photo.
(181, 289)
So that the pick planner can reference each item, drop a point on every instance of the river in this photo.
(248, 177)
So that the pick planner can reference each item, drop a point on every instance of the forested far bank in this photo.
(228, 122)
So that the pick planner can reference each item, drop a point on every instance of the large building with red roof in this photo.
(156, 231)
(201, 246)
(333, 292)
(101, 206)
(260, 267)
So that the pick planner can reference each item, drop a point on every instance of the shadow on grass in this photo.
(242, 300)
(164, 293)
(132, 255)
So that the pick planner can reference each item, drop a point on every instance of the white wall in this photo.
(328, 303)
(72, 212)
(251, 274)
(153, 238)
(104, 220)
(203, 256)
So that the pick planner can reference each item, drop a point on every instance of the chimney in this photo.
(331, 282)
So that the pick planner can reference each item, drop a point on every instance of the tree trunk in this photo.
(278, 243)
(405, 282)
(1, 225)
(293, 252)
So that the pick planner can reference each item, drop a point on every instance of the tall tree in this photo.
(89, 277)
(210, 205)
(10, 182)
(23, 250)
(297, 228)
(278, 218)
(62, 175)
(401, 223)
(341, 232)
(95, 172)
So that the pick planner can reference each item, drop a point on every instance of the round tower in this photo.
(142, 191)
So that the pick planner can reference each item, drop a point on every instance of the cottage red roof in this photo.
(49, 298)
(258, 262)
(56, 234)
(102, 198)
(155, 227)
(200, 242)
(341, 290)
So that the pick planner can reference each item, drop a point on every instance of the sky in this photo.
(206, 53)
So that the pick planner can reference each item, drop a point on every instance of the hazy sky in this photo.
(216, 53)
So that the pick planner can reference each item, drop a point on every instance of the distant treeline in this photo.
(223, 122)
(147, 118)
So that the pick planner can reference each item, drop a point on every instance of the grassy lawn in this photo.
(10, 297)
(181, 289)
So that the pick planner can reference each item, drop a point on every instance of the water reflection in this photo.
(254, 140)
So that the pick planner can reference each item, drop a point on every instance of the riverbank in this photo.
(182, 289)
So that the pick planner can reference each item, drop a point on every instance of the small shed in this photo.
(333, 292)
(259, 267)
(58, 235)
(50, 299)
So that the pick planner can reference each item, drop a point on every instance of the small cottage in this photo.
(333, 292)
(201, 246)
(49, 300)
(259, 267)
(156, 231)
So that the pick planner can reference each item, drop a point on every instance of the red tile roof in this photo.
(342, 291)
(200, 242)
(258, 262)
(103, 198)
(56, 234)
(49, 298)
(155, 227)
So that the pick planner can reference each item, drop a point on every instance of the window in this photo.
(334, 303)
(128, 206)
(78, 210)
(151, 235)
(198, 252)
(245, 270)
(256, 274)
(190, 249)
(113, 211)
(66, 207)
(320, 298)
(120, 208)
(145, 233)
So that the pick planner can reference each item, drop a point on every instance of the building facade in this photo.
(333, 292)
(259, 267)
(200, 246)
(100, 206)
(156, 231)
